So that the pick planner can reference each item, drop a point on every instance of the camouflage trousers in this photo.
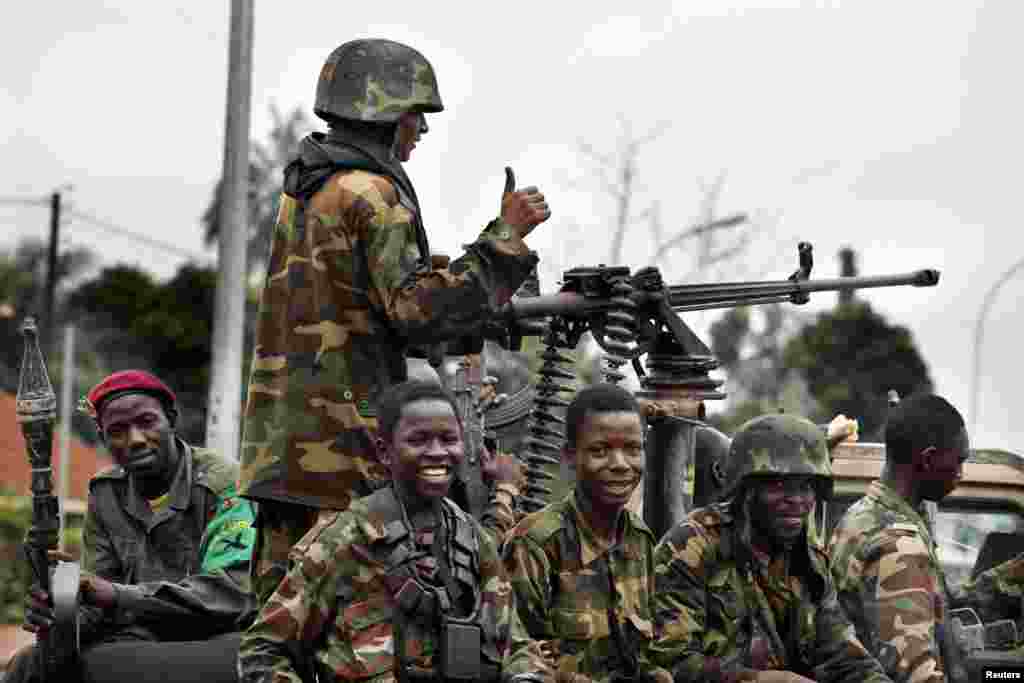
(279, 526)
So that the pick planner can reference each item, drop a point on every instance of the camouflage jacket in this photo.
(339, 602)
(184, 569)
(892, 585)
(349, 289)
(714, 621)
(567, 581)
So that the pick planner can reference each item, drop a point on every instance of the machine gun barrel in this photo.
(708, 296)
(730, 294)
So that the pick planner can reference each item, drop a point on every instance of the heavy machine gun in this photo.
(632, 316)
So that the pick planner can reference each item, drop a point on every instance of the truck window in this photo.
(960, 532)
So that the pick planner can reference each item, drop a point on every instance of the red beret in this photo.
(126, 382)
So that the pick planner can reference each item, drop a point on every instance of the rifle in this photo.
(36, 412)
(466, 385)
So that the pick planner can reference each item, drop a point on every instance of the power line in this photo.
(20, 201)
(109, 227)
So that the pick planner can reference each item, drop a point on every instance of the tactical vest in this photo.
(467, 641)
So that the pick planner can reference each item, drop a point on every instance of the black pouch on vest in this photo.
(408, 596)
(460, 650)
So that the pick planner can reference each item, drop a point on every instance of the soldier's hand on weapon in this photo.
(502, 468)
(522, 210)
(38, 612)
(93, 590)
(97, 591)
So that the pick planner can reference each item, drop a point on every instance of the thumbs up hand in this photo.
(522, 210)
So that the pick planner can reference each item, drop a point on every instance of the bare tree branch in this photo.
(588, 151)
(696, 231)
(653, 214)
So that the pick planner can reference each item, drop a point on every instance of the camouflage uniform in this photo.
(349, 290)
(892, 585)
(724, 610)
(572, 590)
(343, 595)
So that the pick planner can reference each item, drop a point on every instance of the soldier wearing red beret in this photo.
(166, 544)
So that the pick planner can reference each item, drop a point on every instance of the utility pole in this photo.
(224, 406)
(50, 325)
(67, 384)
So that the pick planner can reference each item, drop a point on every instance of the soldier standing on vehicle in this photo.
(884, 556)
(741, 594)
(350, 289)
(166, 543)
(404, 585)
(583, 568)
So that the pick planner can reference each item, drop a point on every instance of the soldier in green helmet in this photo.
(741, 594)
(350, 289)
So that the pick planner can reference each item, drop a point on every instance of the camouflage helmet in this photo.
(375, 80)
(779, 445)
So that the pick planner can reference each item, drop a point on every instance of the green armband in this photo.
(230, 534)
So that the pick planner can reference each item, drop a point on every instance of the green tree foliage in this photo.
(266, 167)
(22, 281)
(134, 321)
(850, 358)
(749, 344)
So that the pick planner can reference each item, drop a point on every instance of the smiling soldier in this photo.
(583, 568)
(742, 595)
(403, 585)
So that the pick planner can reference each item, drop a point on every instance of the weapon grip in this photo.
(510, 180)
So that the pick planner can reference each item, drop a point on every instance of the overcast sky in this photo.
(890, 127)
